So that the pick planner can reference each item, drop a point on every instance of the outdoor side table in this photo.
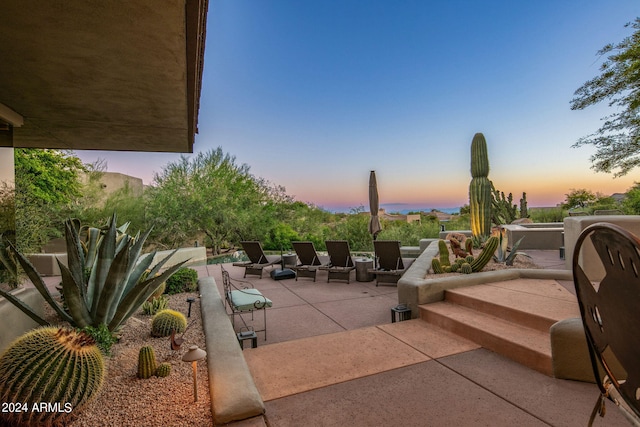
(248, 335)
(362, 267)
(289, 260)
(400, 312)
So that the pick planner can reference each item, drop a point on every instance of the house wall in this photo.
(7, 168)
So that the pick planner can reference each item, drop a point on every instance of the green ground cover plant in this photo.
(183, 280)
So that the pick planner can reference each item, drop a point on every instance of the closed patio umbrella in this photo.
(374, 206)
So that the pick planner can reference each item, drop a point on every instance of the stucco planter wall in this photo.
(545, 236)
(414, 289)
(589, 260)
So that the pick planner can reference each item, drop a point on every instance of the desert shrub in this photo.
(183, 280)
(103, 336)
(555, 214)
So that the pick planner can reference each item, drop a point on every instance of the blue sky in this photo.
(312, 95)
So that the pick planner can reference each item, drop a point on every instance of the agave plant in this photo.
(503, 255)
(103, 282)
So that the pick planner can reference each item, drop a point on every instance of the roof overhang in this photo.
(110, 75)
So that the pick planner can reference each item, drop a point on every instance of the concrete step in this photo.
(527, 346)
(536, 304)
(511, 318)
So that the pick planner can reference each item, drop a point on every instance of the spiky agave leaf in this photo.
(139, 294)
(106, 255)
(74, 299)
(113, 286)
(514, 252)
(94, 236)
(23, 307)
(39, 284)
(134, 271)
(75, 256)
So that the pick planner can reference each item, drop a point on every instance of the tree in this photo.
(578, 198)
(618, 139)
(631, 202)
(208, 195)
(47, 184)
(51, 176)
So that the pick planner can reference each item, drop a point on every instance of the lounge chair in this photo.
(340, 262)
(244, 300)
(389, 265)
(308, 260)
(257, 259)
(610, 316)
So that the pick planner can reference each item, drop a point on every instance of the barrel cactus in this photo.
(166, 321)
(480, 198)
(51, 366)
(436, 266)
(163, 370)
(465, 268)
(146, 362)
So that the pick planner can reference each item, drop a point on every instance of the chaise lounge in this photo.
(389, 265)
(258, 260)
(308, 260)
(340, 261)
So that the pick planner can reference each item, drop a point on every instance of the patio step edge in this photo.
(527, 346)
(538, 312)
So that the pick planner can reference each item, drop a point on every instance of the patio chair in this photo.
(610, 315)
(242, 300)
(257, 259)
(340, 262)
(308, 260)
(389, 265)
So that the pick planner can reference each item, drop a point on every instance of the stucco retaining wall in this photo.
(47, 263)
(234, 395)
(14, 321)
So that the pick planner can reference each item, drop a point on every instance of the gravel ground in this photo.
(126, 400)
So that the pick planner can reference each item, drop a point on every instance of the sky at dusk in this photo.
(312, 95)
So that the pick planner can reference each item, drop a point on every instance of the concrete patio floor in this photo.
(332, 358)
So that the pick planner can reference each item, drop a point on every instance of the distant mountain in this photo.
(405, 208)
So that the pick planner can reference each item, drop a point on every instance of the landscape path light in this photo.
(193, 355)
(190, 301)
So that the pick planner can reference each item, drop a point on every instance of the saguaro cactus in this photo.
(480, 188)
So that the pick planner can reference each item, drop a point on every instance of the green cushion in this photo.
(245, 300)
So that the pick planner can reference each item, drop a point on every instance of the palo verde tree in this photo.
(579, 198)
(207, 194)
(47, 185)
(618, 139)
